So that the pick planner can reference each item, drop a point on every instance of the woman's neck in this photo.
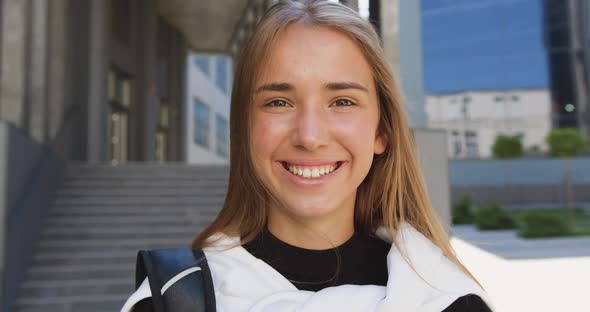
(316, 234)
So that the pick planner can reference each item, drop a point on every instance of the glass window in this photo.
(202, 61)
(222, 135)
(201, 124)
(471, 144)
(221, 73)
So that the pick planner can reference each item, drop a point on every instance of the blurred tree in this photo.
(507, 147)
(462, 213)
(566, 142)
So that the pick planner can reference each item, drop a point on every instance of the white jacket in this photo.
(243, 282)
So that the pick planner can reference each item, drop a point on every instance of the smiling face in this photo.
(314, 124)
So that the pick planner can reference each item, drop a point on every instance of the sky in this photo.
(483, 44)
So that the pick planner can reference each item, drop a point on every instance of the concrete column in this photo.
(410, 55)
(432, 155)
(97, 87)
(14, 51)
(56, 66)
(38, 71)
(390, 32)
(177, 98)
(148, 33)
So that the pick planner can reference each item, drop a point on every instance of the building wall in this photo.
(473, 119)
(29, 175)
(34, 77)
(205, 85)
(537, 183)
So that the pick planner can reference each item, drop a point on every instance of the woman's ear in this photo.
(380, 144)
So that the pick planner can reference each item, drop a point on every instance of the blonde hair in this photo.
(393, 191)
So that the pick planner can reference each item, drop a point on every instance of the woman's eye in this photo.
(277, 103)
(343, 102)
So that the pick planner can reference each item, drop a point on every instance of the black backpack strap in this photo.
(182, 273)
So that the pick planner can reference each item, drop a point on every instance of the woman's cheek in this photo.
(267, 131)
(358, 131)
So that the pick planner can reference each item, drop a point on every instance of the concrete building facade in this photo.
(473, 119)
(96, 82)
(93, 79)
(209, 81)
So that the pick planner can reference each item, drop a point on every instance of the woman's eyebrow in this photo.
(283, 86)
(333, 86)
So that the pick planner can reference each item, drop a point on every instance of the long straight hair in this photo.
(393, 192)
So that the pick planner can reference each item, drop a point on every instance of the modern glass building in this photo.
(483, 45)
(567, 39)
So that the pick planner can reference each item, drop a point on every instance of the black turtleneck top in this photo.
(362, 260)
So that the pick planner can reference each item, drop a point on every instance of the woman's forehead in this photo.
(313, 54)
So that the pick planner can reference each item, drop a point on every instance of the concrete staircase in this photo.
(102, 216)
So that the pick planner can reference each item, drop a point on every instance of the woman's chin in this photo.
(312, 210)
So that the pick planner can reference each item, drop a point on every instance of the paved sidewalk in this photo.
(517, 284)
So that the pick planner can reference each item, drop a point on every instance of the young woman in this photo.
(326, 208)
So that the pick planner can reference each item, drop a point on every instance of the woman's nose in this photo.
(310, 129)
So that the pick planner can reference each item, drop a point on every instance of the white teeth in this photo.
(315, 173)
(311, 172)
(306, 173)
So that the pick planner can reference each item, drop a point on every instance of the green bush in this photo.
(462, 213)
(541, 224)
(566, 142)
(493, 217)
(507, 147)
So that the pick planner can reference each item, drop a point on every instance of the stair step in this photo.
(124, 267)
(81, 255)
(181, 237)
(138, 200)
(107, 243)
(133, 210)
(84, 221)
(128, 246)
(139, 183)
(110, 231)
(150, 175)
(61, 291)
(144, 192)
(101, 306)
(42, 301)
(143, 167)
(67, 258)
(75, 275)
